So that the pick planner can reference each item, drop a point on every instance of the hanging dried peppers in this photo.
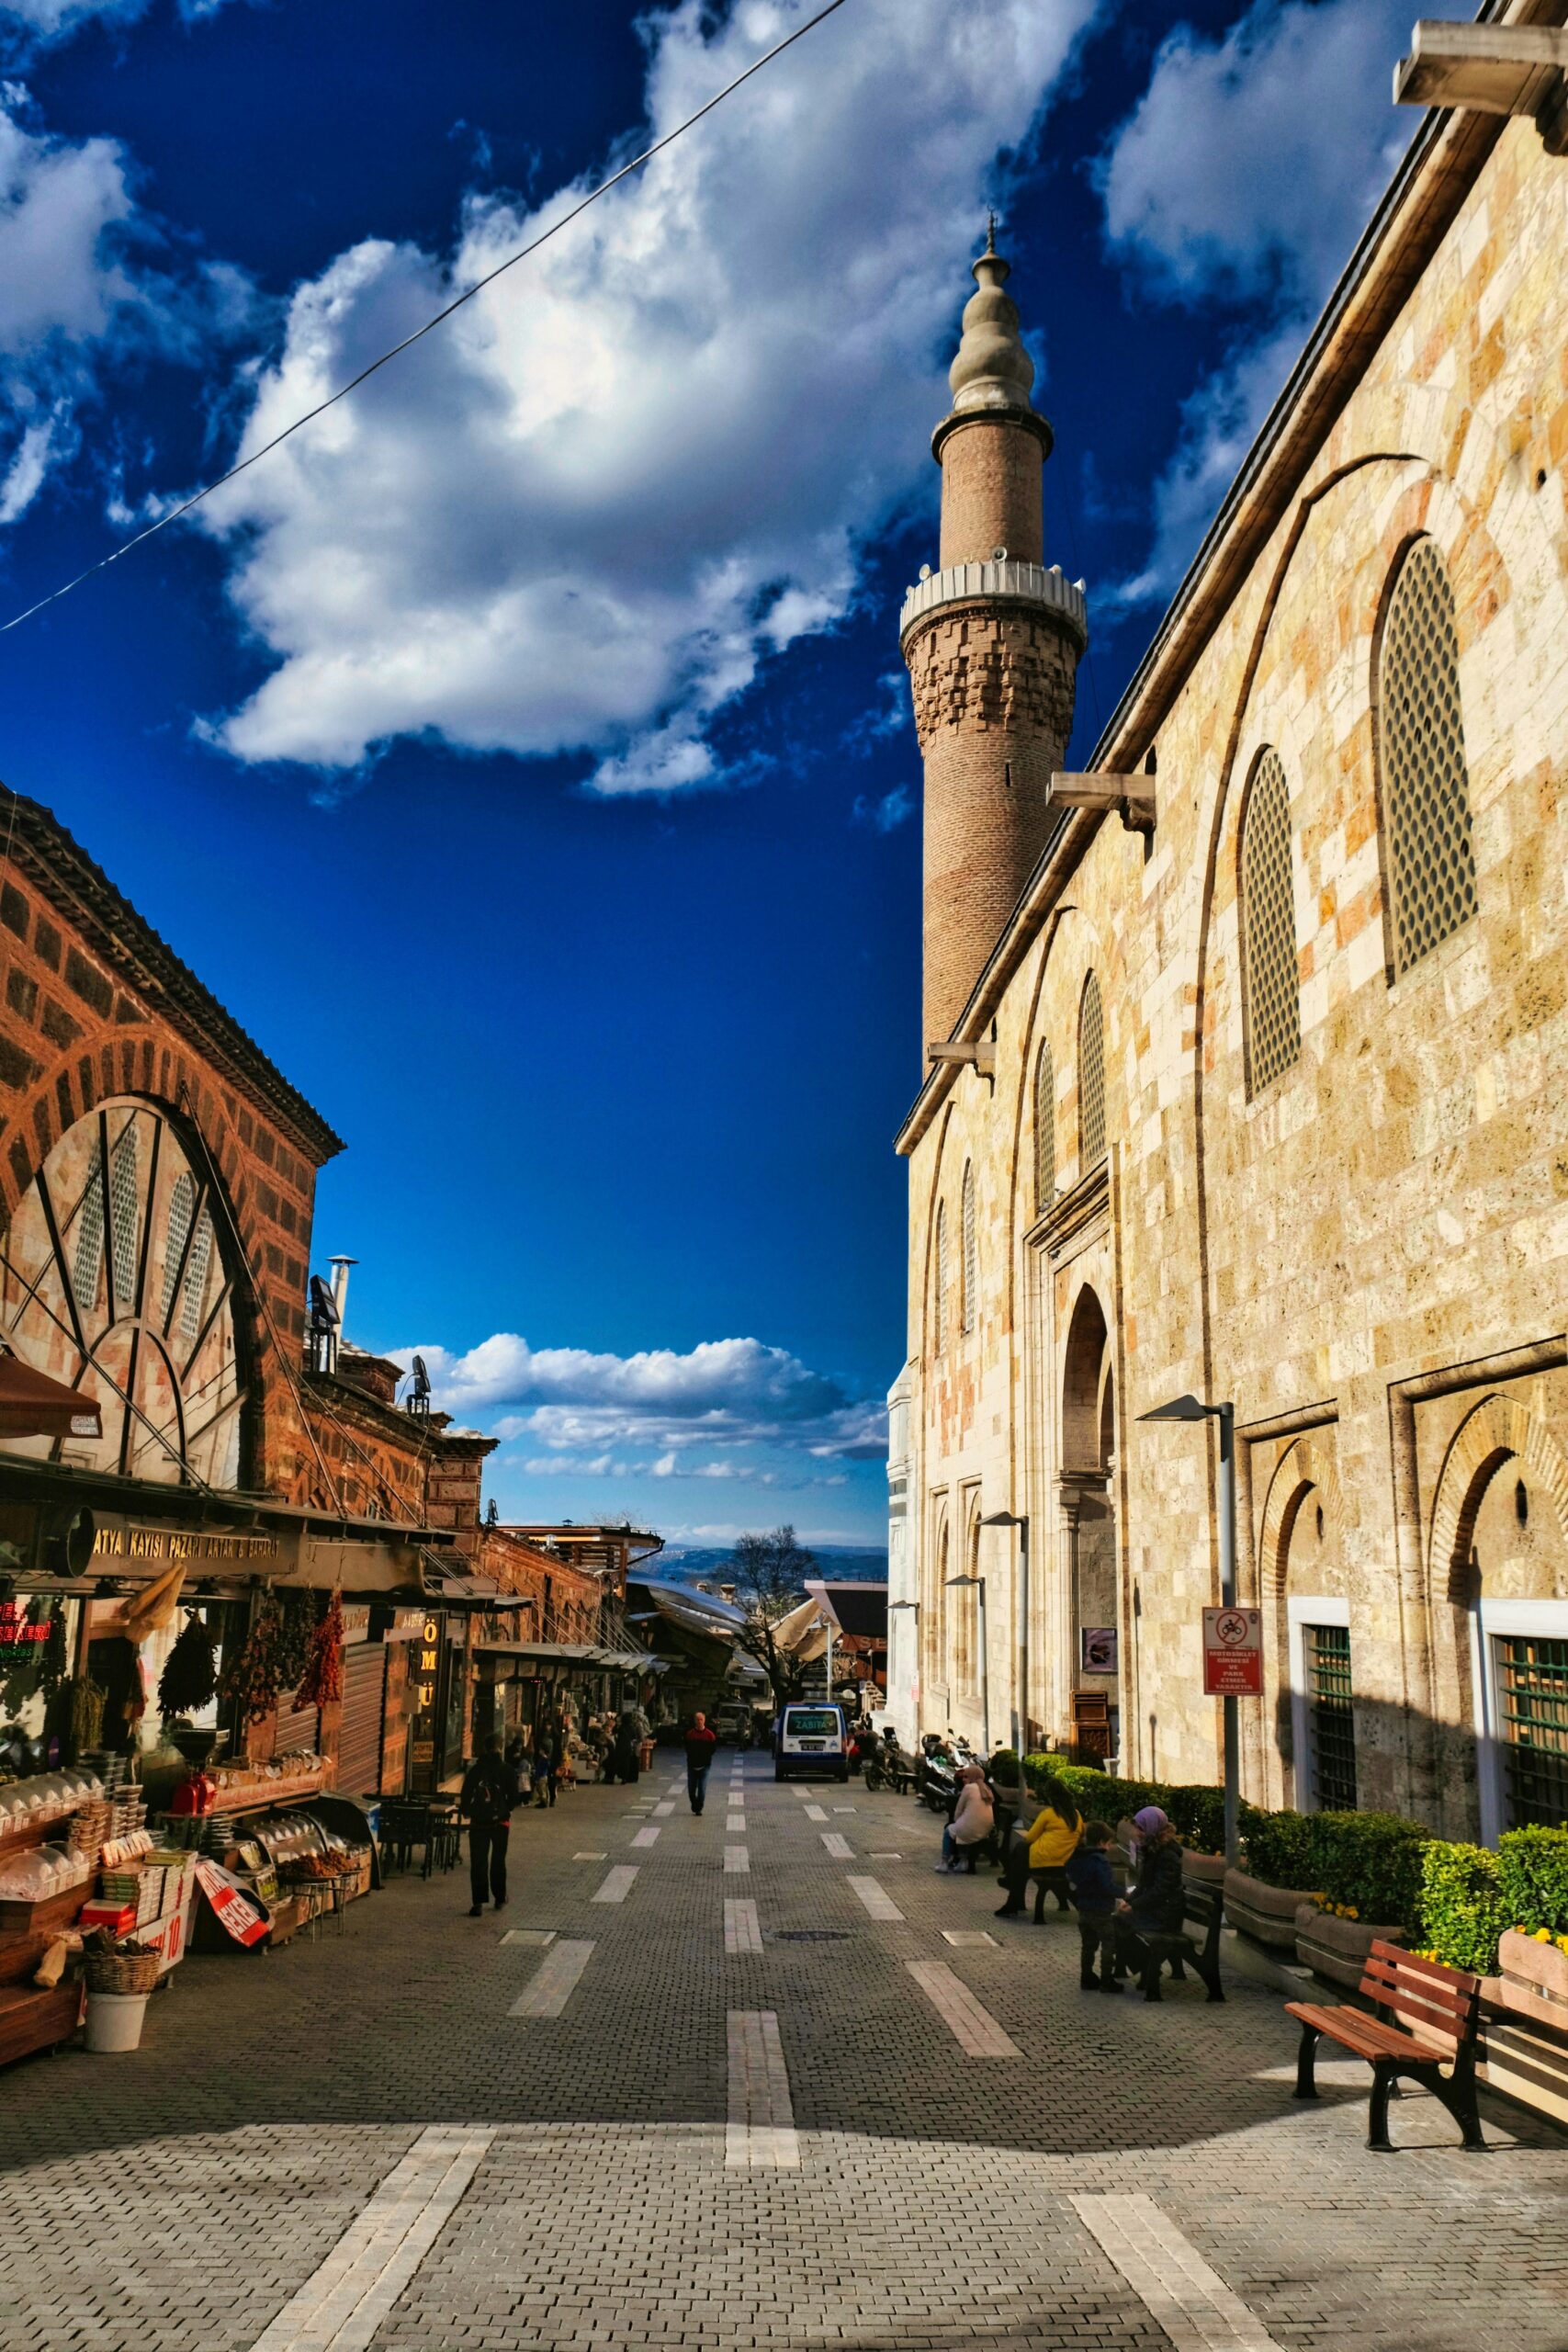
(255, 1677)
(190, 1674)
(322, 1679)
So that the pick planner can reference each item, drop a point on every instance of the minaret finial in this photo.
(992, 369)
(990, 233)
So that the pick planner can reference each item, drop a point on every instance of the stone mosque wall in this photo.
(1354, 1222)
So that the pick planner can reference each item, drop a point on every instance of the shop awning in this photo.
(627, 1661)
(32, 1404)
(569, 1653)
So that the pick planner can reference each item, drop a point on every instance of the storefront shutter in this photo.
(295, 1730)
(359, 1733)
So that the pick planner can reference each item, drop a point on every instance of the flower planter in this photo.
(1266, 1913)
(1524, 2028)
(1336, 1949)
(1203, 1869)
(1539, 1969)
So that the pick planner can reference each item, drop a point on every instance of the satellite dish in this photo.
(324, 1307)
(420, 1377)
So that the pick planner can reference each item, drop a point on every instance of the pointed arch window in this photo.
(971, 1299)
(1431, 860)
(1268, 928)
(1091, 1077)
(939, 1314)
(1045, 1129)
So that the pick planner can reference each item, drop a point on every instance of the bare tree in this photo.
(770, 1573)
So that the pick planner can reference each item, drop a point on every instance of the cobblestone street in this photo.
(757, 2079)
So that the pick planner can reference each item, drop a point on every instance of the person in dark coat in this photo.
(1093, 1890)
(1157, 1905)
(626, 1760)
(700, 1743)
(490, 1791)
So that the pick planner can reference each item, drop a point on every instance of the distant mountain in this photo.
(691, 1564)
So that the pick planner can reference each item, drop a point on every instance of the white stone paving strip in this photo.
(617, 1883)
(737, 1858)
(649, 1837)
(1191, 2302)
(877, 1900)
(840, 1847)
(815, 1813)
(885, 1857)
(761, 2126)
(553, 1982)
(661, 1812)
(590, 1857)
(972, 2027)
(967, 1938)
(343, 2302)
(741, 1929)
(536, 1936)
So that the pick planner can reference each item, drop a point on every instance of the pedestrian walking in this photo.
(490, 1791)
(973, 1822)
(1093, 1890)
(700, 1745)
(627, 1748)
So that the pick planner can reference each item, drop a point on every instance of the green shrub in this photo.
(1369, 1864)
(1462, 1912)
(1532, 1879)
(1198, 1817)
(1277, 1848)
(1004, 1762)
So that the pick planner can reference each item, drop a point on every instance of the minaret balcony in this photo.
(1035, 586)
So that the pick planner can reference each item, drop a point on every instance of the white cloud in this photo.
(1245, 175)
(51, 20)
(886, 813)
(86, 276)
(716, 1411)
(580, 515)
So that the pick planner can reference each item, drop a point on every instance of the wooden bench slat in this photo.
(1420, 1992)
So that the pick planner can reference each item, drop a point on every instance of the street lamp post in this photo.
(985, 1662)
(1009, 1519)
(1189, 1408)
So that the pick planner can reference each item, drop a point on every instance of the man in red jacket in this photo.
(700, 1745)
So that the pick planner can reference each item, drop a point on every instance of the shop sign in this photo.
(424, 1689)
(19, 1637)
(238, 1915)
(122, 1542)
(1233, 1653)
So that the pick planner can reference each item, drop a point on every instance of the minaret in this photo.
(992, 640)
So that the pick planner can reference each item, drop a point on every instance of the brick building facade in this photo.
(1257, 1091)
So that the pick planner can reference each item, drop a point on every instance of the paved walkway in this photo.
(757, 2083)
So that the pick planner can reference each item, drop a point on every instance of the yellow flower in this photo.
(1543, 1935)
(1351, 1912)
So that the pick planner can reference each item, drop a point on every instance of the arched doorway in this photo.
(1308, 1635)
(1089, 1535)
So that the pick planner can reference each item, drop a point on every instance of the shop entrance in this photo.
(1089, 1526)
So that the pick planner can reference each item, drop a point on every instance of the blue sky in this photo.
(522, 753)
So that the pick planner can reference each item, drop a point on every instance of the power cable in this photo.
(430, 324)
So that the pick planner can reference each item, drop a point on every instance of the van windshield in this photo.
(812, 1723)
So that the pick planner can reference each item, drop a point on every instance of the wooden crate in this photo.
(32, 2020)
(54, 1912)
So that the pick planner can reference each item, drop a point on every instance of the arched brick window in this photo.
(1045, 1129)
(939, 1305)
(1091, 1077)
(971, 1299)
(1268, 928)
(1425, 783)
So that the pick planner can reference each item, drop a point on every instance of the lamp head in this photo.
(1180, 1408)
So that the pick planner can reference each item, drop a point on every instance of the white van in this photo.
(811, 1738)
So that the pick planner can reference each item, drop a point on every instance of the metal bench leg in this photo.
(1210, 1972)
(1457, 2095)
(1377, 2112)
(1307, 2060)
(1150, 1980)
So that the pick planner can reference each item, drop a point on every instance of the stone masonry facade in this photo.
(1370, 1253)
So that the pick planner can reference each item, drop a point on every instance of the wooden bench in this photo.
(1437, 2010)
(1205, 1907)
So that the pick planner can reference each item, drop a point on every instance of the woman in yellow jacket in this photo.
(1052, 1836)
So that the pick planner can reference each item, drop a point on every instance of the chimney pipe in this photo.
(340, 1267)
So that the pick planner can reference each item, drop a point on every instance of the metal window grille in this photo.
(1045, 1129)
(1268, 921)
(124, 1206)
(196, 1278)
(182, 1200)
(1533, 1678)
(1426, 782)
(90, 1235)
(1330, 1702)
(940, 1316)
(1091, 1078)
(971, 1253)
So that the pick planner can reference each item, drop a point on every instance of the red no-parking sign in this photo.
(1233, 1653)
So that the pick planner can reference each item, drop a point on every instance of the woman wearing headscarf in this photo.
(973, 1820)
(627, 1752)
(1155, 1905)
(1044, 1846)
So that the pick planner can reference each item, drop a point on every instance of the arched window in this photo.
(938, 1309)
(1431, 863)
(1044, 1130)
(971, 1300)
(1268, 928)
(1091, 1078)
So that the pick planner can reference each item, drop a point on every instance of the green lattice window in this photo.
(1332, 1715)
(1426, 781)
(1532, 1678)
(1091, 1078)
(1268, 921)
(1045, 1129)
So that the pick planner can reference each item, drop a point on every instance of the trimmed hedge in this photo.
(1532, 1879)
(1461, 1911)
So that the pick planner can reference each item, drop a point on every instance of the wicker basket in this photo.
(111, 1972)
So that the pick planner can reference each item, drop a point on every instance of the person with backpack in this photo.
(490, 1791)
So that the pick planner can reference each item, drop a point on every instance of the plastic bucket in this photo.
(114, 2021)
